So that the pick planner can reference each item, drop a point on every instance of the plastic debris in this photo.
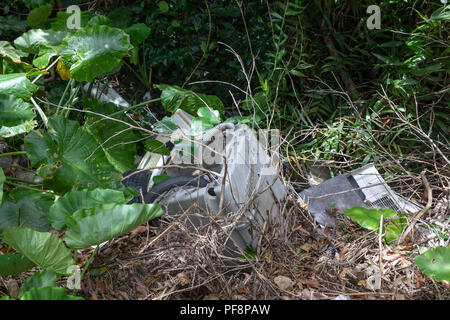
(363, 187)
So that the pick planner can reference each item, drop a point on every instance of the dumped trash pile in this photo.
(213, 223)
(223, 171)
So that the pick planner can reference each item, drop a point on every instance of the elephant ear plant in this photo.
(87, 227)
(77, 145)
(80, 202)
(435, 263)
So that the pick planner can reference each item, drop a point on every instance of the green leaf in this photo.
(43, 278)
(138, 33)
(441, 14)
(163, 6)
(30, 211)
(85, 199)
(388, 60)
(94, 51)
(16, 116)
(175, 23)
(45, 54)
(165, 126)
(14, 264)
(207, 119)
(43, 248)
(100, 20)
(39, 15)
(369, 218)
(212, 116)
(49, 293)
(200, 125)
(155, 146)
(70, 158)
(435, 263)
(116, 139)
(175, 97)
(8, 51)
(33, 39)
(93, 226)
(17, 85)
(297, 73)
(249, 252)
(394, 229)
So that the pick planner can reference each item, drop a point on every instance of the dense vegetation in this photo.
(342, 94)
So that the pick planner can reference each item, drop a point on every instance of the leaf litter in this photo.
(304, 262)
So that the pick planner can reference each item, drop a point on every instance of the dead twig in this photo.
(419, 214)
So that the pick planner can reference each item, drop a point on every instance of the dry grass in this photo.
(189, 263)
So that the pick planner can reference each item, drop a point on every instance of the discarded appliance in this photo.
(252, 188)
(363, 187)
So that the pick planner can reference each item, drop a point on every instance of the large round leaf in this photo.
(369, 218)
(49, 293)
(17, 85)
(93, 226)
(94, 51)
(29, 211)
(435, 263)
(14, 263)
(138, 33)
(45, 55)
(115, 138)
(39, 15)
(394, 229)
(43, 278)
(31, 40)
(43, 248)
(76, 200)
(16, 116)
(71, 158)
